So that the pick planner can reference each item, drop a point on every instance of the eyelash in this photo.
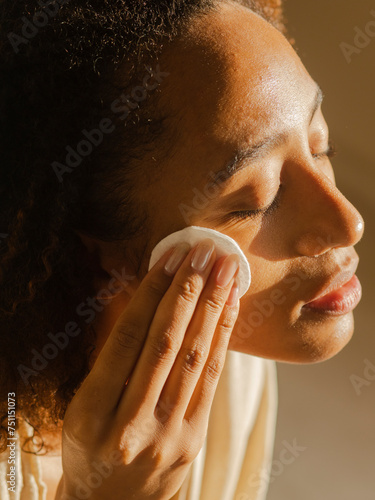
(330, 152)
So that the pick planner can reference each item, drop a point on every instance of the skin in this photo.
(228, 89)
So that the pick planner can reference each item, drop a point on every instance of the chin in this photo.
(308, 340)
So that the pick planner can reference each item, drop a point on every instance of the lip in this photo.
(341, 295)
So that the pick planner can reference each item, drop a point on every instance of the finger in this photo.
(195, 348)
(103, 387)
(199, 407)
(166, 334)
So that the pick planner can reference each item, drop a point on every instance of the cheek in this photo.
(272, 303)
(269, 278)
(264, 302)
(260, 327)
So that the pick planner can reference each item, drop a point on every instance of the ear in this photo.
(112, 273)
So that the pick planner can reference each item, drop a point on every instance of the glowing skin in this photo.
(235, 80)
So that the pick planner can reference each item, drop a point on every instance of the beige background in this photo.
(318, 405)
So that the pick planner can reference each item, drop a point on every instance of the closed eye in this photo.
(330, 152)
(244, 214)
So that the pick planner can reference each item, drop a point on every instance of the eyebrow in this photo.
(252, 153)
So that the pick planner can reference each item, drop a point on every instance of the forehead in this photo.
(234, 77)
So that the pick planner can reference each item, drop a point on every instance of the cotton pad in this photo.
(224, 245)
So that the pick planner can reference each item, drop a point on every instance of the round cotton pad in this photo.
(224, 245)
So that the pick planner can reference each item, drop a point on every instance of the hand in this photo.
(137, 440)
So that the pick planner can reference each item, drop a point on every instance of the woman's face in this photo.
(235, 83)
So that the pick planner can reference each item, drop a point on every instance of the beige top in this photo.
(235, 460)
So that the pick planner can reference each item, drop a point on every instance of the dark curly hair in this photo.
(64, 64)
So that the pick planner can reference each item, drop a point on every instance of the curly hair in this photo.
(64, 64)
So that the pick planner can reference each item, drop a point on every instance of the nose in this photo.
(327, 219)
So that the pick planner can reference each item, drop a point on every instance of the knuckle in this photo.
(128, 441)
(189, 451)
(154, 289)
(79, 429)
(193, 357)
(214, 303)
(128, 337)
(188, 289)
(213, 369)
(227, 320)
(164, 345)
(182, 460)
(186, 458)
(158, 457)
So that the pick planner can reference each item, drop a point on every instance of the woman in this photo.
(124, 122)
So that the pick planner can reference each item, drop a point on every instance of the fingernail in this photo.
(177, 257)
(202, 254)
(227, 270)
(234, 294)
